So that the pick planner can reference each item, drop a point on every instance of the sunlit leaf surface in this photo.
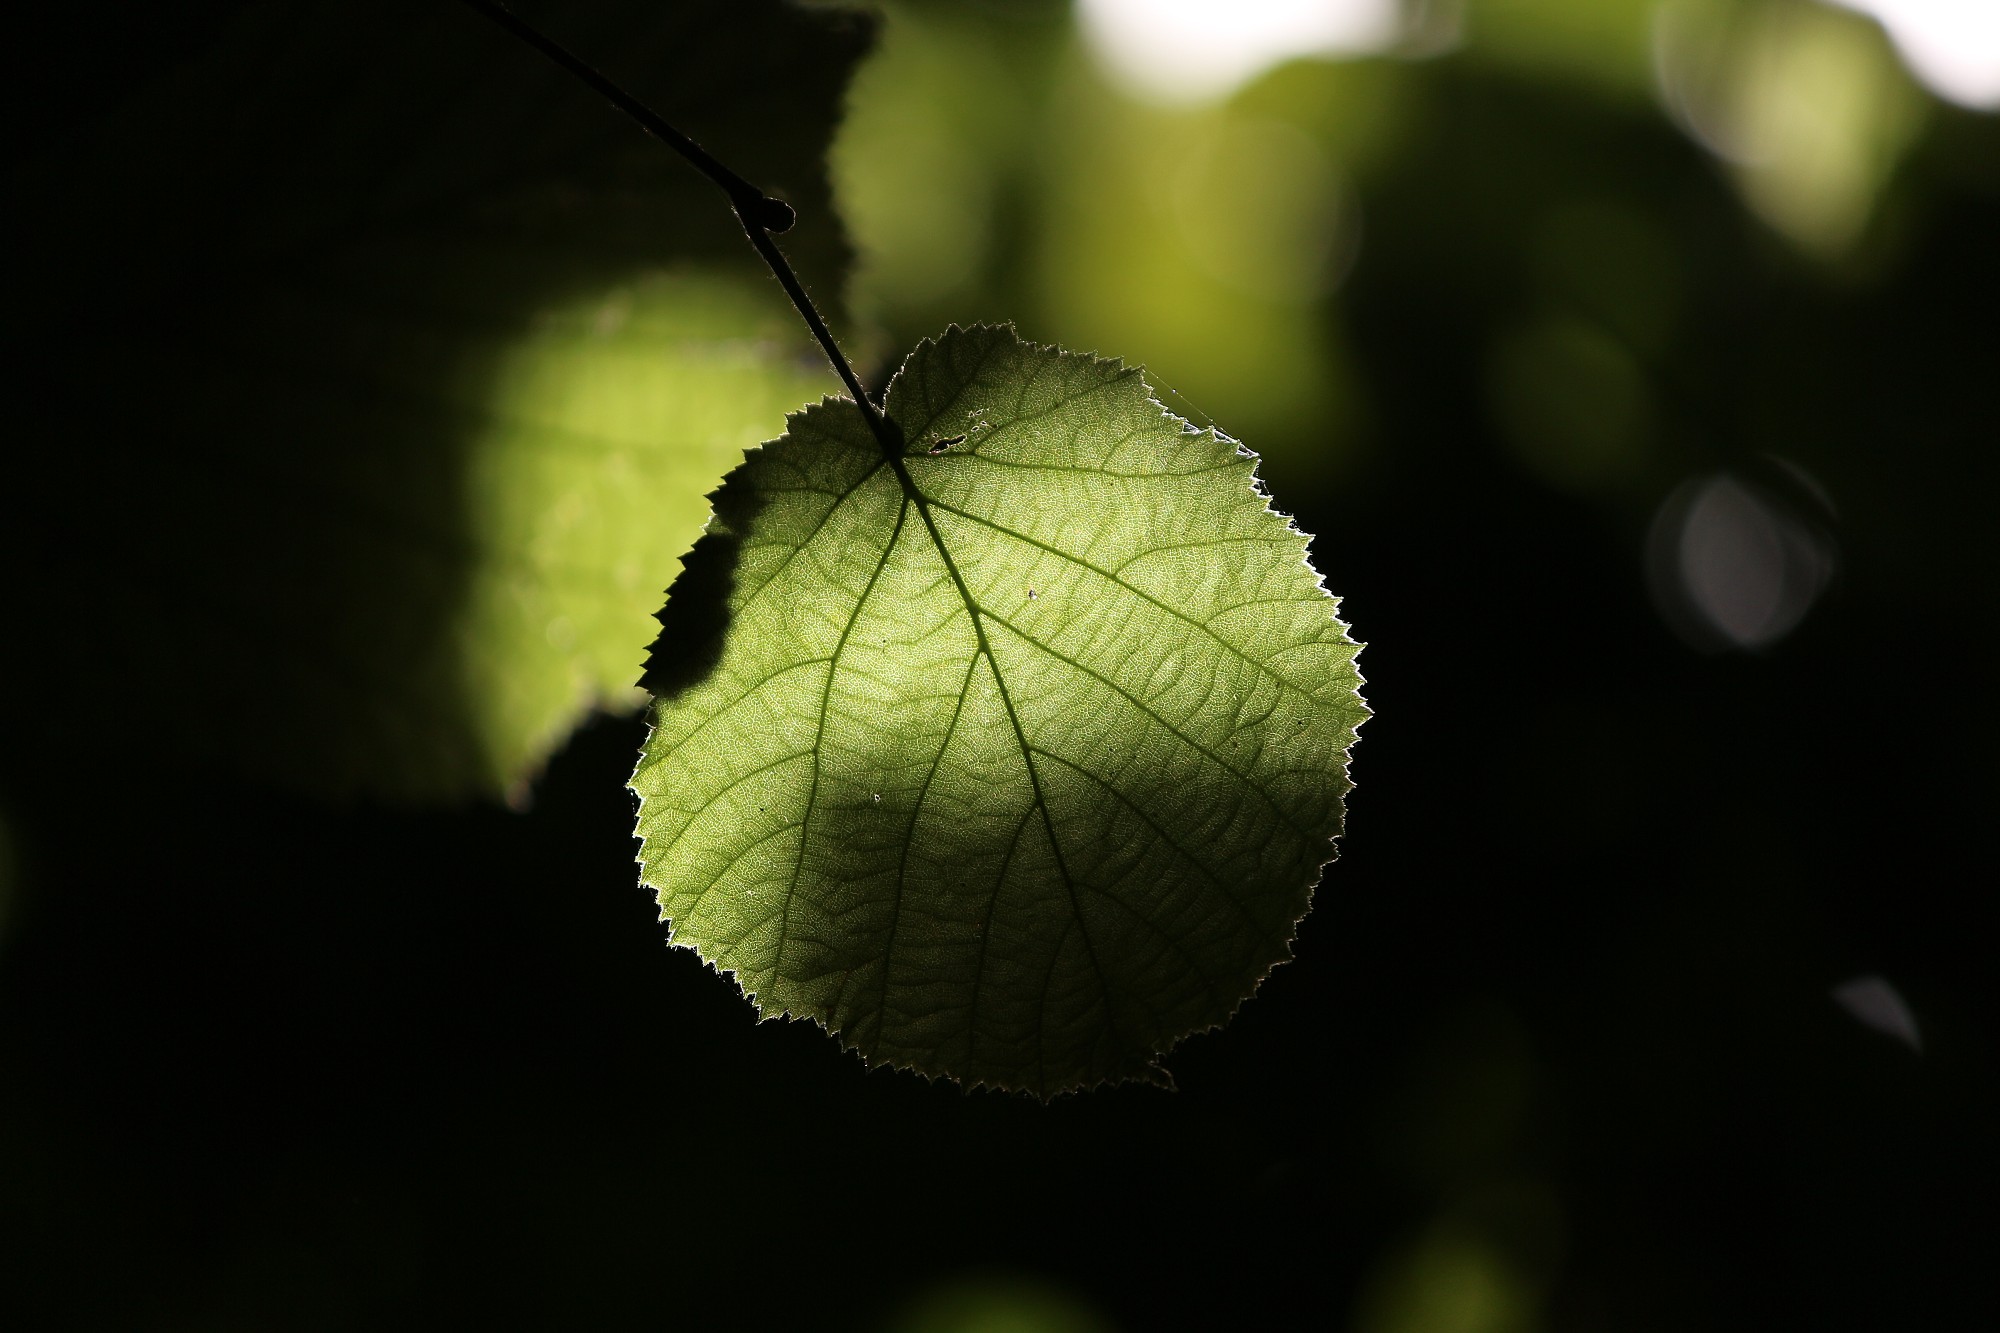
(1019, 754)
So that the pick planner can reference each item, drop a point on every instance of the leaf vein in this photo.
(909, 841)
(819, 733)
(1165, 725)
(1171, 610)
(1160, 832)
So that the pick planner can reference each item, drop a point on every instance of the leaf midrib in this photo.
(976, 615)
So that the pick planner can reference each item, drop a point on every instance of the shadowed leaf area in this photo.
(369, 372)
(1023, 750)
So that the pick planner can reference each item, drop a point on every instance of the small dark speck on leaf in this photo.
(1032, 595)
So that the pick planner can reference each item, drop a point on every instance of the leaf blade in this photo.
(1044, 818)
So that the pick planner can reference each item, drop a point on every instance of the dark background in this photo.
(1559, 1048)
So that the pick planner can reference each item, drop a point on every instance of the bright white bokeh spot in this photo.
(1875, 1003)
(1952, 46)
(1733, 565)
(1202, 50)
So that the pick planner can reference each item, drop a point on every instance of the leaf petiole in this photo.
(761, 215)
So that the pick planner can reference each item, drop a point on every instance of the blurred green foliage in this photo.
(990, 170)
(370, 374)
(1198, 242)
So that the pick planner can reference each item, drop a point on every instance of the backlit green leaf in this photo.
(1014, 759)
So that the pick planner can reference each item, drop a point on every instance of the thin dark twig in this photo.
(768, 248)
(761, 215)
(740, 191)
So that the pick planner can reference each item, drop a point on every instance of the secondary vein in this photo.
(819, 733)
